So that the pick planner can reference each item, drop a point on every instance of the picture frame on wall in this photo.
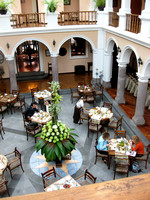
(47, 53)
(67, 2)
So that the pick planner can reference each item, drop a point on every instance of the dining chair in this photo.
(74, 94)
(24, 120)
(3, 185)
(88, 178)
(3, 108)
(121, 164)
(93, 126)
(14, 160)
(19, 104)
(99, 154)
(1, 128)
(31, 130)
(49, 177)
(116, 122)
(99, 91)
(120, 134)
(32, 92)
(145, 155)
(15, 92)
(90, 97)
(2, 91)
(107, 105)
(83, 115)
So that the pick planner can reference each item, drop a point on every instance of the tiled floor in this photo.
(29, 182)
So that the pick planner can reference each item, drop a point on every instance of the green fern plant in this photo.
(5, 4)
(52, 5)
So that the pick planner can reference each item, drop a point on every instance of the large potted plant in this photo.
(5, 6)
(51, 5)
(100, 4)
(56, 139)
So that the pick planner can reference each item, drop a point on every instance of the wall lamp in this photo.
(54, 43)
(140, 61)
(118, 49)
(8, 45)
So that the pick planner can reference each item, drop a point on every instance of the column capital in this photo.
(142, 79)
(122, 64)
(54, 54)
(108, 53)
(10, 57)
(95, 51)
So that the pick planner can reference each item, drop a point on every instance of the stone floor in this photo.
(29, 182)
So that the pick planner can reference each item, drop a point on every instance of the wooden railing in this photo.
(77, 18)
(113, 19)
(28, 20)
(133, 23)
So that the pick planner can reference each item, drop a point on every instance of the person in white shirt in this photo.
(79, 105)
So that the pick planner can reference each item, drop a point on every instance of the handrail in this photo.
(77, 18)
(133, 23)
(28, 20)
(113, 19)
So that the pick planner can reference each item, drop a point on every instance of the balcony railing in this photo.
(133, 23)
(77, 18)
(28, 20)
(113, 19)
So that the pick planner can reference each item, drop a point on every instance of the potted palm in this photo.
(51, 5)
(56, 139)
(5, 6)
(100, 4)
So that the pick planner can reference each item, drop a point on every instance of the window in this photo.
(78, 47)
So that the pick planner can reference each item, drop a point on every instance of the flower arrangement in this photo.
(56, 139)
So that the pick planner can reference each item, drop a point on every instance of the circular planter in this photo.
(101, 8)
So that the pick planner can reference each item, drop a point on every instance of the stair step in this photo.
(25, 76)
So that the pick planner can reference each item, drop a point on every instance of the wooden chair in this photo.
(100, 155)
(107, 105)
(94, 127)
(145, 156)
(90, 97)
(120, 134)
(116, 122)
(3, 185)
(1, 128)
(3, 108)
(88, 178)
(31, 130)
(83, 115)
(49, 177)
(19, 104)
(121, 164)
(24, 120)
(14, 160)
(2, 91)
(15, 92)
(74, 94)
(99, 91)
(32, 92)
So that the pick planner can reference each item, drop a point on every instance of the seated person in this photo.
(103, 143)
(137, 146)
(46, 103)
(29, 112)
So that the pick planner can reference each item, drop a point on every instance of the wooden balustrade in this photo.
(133, 23)
(113, 19)
(28, 20)
(77, 18)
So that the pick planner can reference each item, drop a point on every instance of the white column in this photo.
(125, 9)
(140, 101)
(107, 71)
(40, 57)
(95, 63)
(54, 60)
(5, 22)
(108, 6)
(12, 74)
(145, 19)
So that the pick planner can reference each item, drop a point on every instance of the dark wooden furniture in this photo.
(99, 91)
(19, 104)
(14, 160)
(24, 120)
(74, 94)
(120, 134)
(83, 115)
(32, 92)
(89, 64)
(79, 69)
(3, 185)
(94, 127)
(1, 128)
(88, 178)
(31, 130)
(90, 97)
(107, 105)
(145, 156)
(49, 177)
(116, 122)
(3, 108)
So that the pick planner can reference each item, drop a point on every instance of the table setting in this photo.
(41, 117)
(3, 163)
(43, 94)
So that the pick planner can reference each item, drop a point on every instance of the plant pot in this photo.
(50, 10)
(101, 8)
(3, 12)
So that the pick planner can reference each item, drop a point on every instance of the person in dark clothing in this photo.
(29, 112)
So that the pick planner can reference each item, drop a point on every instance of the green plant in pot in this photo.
(52, 5)
(56, 139)
(100, 4)
(5, 6)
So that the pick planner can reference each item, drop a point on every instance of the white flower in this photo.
(54, 126)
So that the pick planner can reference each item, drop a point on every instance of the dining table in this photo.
(120, 146)
(42, 96)
(41, 117)
(83, 89)
(63, 183)
(8, 100)
(3, 163)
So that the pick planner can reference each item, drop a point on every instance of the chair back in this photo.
(107, 105)
(17, 153)
(2, 91)
(34, 90)
(48, 174)
(120, 134)
(89, 176)
(119, 121)
(16, 92)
